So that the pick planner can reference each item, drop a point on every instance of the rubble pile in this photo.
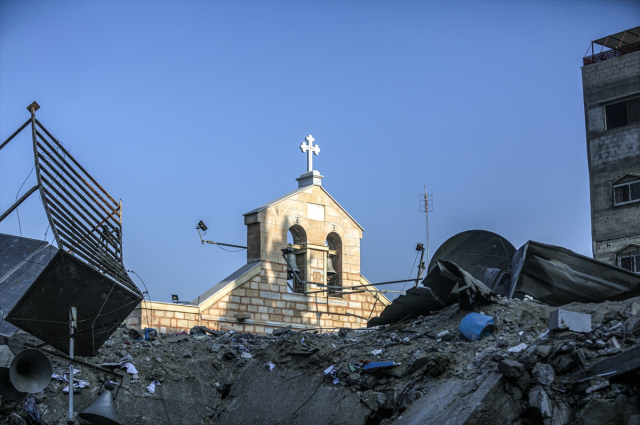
(529, 370)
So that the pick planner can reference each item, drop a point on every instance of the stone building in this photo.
(326, 291)
(611, 86)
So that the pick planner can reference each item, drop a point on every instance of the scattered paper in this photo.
(152, 386)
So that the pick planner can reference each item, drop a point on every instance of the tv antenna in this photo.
(426, 206)
(203, 227)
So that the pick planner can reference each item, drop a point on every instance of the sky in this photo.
(195, 110)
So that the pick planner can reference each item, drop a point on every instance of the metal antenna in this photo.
(425, 200)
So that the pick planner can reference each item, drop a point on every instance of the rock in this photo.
(601, 411)
(381, 398)
(543, 374)
(511, 368)
(246, 355)
(539, 398)
(632, 326)
(570, 320)
(418, 360)
(524, 381)
(613, 345)
(563, 363)
(634, 308)
(158, 359)
(5, 356)
(543, 350)
(370, 399)
(561, 413)
(281, 331)
(157, 375)
(354, 379)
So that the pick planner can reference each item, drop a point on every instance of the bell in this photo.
(330, 270)
(102, 411)
(7, 390)
(30, 371)
(292, 260)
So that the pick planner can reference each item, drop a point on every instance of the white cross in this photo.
(309, 149)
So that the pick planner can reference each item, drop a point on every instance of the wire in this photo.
(17, 213)
(228, 250)
(148, 297)
(412, 267)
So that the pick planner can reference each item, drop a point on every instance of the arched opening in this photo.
(297, 236)
(334, 242)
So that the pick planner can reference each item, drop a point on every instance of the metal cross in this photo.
(309, 149)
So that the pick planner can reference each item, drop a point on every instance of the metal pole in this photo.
(426, 214)
(73, 317)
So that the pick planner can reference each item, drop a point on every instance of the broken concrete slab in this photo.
(511, 368)
(539, 399)
(562, 319)
(300, 401)
(543, 373)
(445, 404)
(622, 365)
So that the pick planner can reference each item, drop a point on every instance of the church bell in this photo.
(102, 411)
(330, 270)
(293, 266)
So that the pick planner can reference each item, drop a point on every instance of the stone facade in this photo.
(259, 298)
(612, 154)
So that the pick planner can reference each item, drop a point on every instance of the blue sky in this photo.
(194, 110)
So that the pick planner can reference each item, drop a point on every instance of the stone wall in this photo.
(269, 306)
(612, 154)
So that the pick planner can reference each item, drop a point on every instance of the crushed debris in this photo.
(421, 371)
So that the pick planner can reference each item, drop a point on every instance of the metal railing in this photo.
(85, 219)
(610, 54)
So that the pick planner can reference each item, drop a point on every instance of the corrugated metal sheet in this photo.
(557, 276)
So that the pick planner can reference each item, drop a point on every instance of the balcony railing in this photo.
(609, 54)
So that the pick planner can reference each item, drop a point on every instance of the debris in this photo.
(539, 399)
(271, 366)
(476, 326)
(371, 366)
(517, 348)
(437, 293)
(281, 331)
(543, 374)
(561, 319)
(152, 386)
(246, 355)
(557, 276)
(511, 368)
(124, 363)
(178, 338)
(376, 352)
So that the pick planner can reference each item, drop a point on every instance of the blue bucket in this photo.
(476, 326)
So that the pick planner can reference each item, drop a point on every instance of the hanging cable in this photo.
(17, 212)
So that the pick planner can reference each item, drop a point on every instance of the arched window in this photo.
(334, 242)
(297, 236)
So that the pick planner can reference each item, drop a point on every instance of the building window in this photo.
(626, 193)
(630, 261)
(622, 113)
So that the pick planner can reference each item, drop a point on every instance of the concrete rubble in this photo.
(428, 373)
